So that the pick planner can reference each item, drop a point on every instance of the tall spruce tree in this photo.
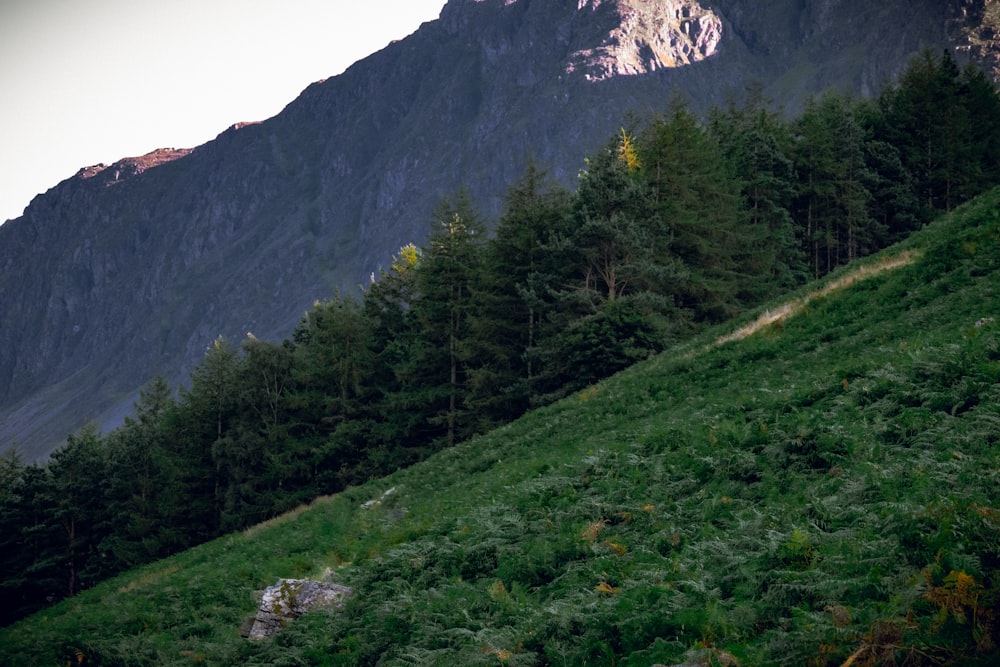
(757, 145)
(945, 122)
(195, 474)
(697, 197)
(135, 476)
(833, 199)
(393, 434)
(34, 567)
(78, 471)
(608, 278)
(894, 205)
(269, 472)
(512, 302)
(445, 301)
(16, 553)
(981, 102)
(334, 391)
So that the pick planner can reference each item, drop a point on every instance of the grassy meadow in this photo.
(815, 484)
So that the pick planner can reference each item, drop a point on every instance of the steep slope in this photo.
(123, 272)
(820, 491)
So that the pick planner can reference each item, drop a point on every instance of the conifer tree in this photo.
(609, 276)
(265, 466)
(16, 554)
(981, 102)
(833, 202)
(512, 300)
(78, 472)
(387, 429)
(136, 453)
(194, 470)
(616, 231)
(698, 201)
(445, 301)
(945, 122)
(34, 557)
(893, 206)
(757, 144)
(334, 390)
(332, 357)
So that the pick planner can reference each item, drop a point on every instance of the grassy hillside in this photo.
(821, 488)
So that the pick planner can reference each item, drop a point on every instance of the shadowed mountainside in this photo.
(123, 272)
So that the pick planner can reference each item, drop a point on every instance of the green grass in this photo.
(823, 491)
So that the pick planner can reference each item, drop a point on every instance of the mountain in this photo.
(815, 484)
(126, 271)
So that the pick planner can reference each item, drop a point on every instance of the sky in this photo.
(84, 82)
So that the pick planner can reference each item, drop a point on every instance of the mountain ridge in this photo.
(241, 234)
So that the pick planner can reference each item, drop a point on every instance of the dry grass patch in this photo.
(287, 516)
(148, 579)
(795, 306)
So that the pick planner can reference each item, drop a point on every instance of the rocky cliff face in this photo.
(649, 36)
(123, 272)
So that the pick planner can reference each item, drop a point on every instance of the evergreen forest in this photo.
(678, 225)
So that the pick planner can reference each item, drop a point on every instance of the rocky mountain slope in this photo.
(122, 272)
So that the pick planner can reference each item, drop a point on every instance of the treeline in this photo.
(677, 223)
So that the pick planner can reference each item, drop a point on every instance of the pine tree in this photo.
(616, 231)
(78, 471)
(512, 299)
(833, 202)
(333, 357)
(445, 301)
(389, 431)
(136, 453)
(757, 144)
(268, 470)
(981, 102)
(15, 557)
(608, 274)
(196, 432)
(334, 389)
(697, 198)
(944, 123)
(34, 569)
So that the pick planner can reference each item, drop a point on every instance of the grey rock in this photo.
(287, 600)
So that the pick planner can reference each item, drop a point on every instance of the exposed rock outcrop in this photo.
(290, 598)
(128, 167)
(975, 29)
(650, 36)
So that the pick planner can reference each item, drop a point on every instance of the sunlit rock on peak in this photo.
(652, 35)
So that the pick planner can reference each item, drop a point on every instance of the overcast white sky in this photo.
(90, 81)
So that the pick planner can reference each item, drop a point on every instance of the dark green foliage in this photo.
(674, 226)
(703, 234)
(435, 372)
(820, 492)
(514, 297)
(332, 392)
(615, 231)
(198, 431)
(759, 146)
(594, 347)
(833, 198)
(136, 458)
(945, 122)
(79, 475)
(31, 542)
